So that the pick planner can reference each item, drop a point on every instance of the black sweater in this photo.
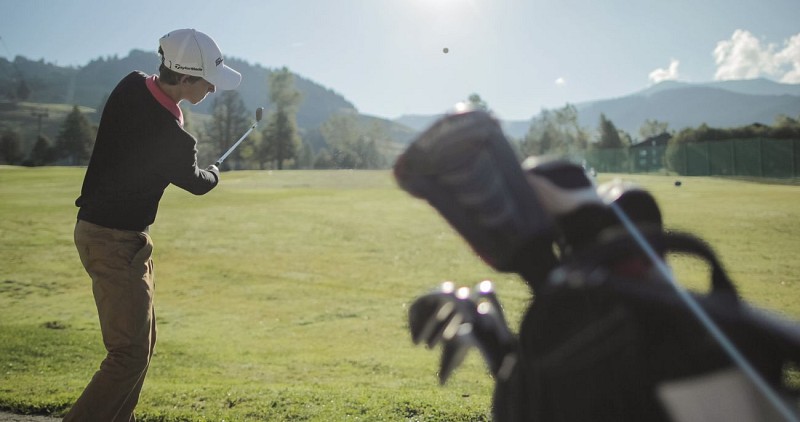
(140, 149)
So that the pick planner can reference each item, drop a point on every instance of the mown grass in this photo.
(283, 295)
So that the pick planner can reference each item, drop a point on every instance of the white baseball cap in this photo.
(194, 53)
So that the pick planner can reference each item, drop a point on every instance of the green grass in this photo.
(283, 295)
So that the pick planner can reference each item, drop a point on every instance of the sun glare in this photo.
(445, 6)
(445, 15)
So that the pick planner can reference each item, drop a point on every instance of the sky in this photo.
(388, 57)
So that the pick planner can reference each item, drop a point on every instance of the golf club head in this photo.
(484, 292)
(259, 113)
(461, 318)
(431, 314)
(454, 352)
(464, 166)
(490, 330)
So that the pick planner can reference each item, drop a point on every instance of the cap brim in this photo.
(226, 78)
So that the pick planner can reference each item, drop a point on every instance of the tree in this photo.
(305, 156)
(281, 137)
(609, 135)
(555, 132)
(475, 101)
(279, 140)
(229, 120)
(98, 112)
(651, 128)
(75, 141)
(576, 138)
(340, 131)
(352, 145)
(23, 91)
(42, 153)
(10, 147)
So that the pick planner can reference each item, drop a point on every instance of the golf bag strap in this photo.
(686, 243)
(624, 246)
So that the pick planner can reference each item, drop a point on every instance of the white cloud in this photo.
(790, 57)
(744, 57)
(668, 74)
(561, 81)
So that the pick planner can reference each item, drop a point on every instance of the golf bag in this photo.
(607, 337)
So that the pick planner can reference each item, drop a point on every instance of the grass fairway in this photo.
(283, 295)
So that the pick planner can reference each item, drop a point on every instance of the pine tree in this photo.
(10, 147)
(75, 141)
(230, 119)
(609, 135)
(281, 135)
(42, 153)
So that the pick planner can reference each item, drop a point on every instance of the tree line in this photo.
(557, 132)
(342, 141)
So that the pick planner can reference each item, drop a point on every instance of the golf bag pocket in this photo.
(582, 359)
(720, 396)
(616, 349)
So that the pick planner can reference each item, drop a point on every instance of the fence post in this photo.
(686, 160)
(710, 159)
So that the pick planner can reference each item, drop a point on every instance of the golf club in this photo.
(259, 113)
(462, 318)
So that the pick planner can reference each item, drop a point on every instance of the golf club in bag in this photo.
(259, 113)
(609, 335)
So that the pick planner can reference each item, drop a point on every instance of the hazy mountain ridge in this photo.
(680, 104)
(718, 104)
(88, 86)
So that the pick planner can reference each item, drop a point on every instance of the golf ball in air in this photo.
(445, 50)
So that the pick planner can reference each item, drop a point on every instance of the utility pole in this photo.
(39, 114)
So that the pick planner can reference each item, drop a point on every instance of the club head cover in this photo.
(637, 203)
(569, 194)
(464, 166)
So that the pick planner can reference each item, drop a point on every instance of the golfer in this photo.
(141, 148)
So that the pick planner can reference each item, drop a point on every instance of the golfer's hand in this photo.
(212, 168)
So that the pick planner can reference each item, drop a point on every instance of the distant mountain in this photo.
(718, 104)
(680, 104)
(90, 84)
(420, 122)
(758, 86)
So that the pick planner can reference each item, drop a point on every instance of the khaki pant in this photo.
(121, 267)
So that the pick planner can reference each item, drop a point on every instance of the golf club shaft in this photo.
(230, 150)
(259, 114)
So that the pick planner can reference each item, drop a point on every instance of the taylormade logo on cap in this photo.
(194, 53)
